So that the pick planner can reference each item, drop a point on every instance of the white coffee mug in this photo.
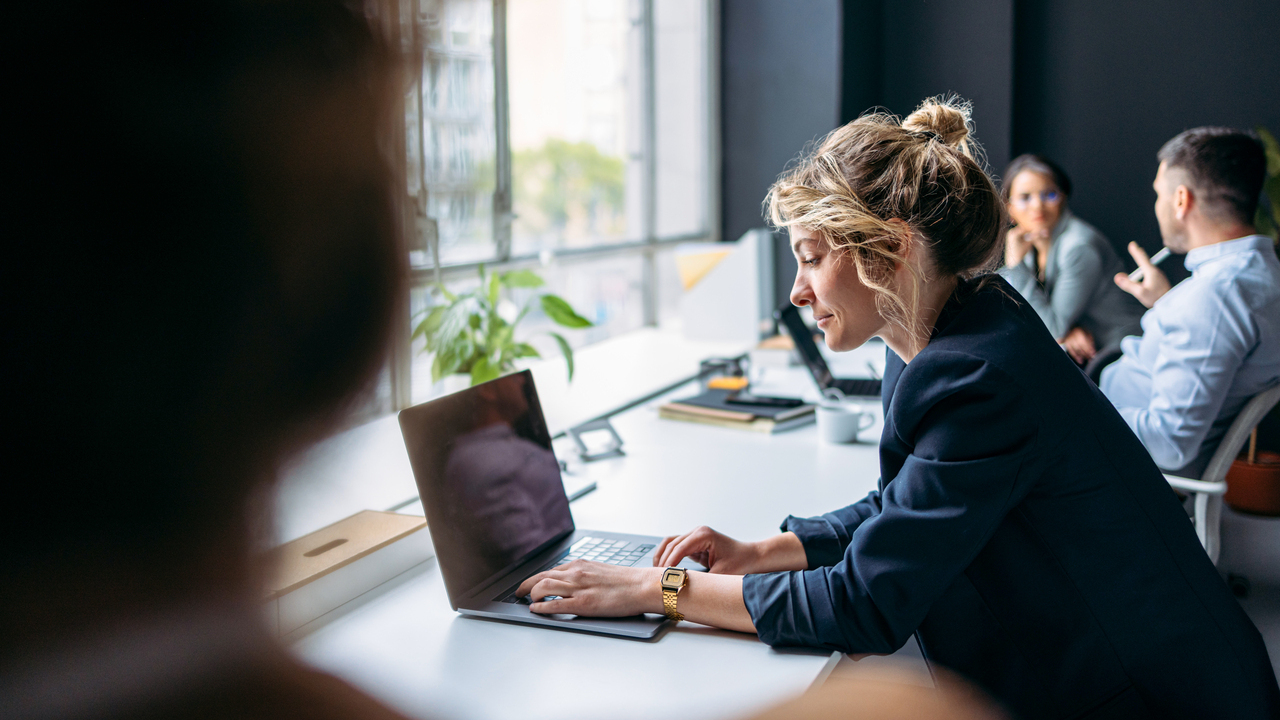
(841, 422)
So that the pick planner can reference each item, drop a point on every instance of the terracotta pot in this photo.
(1254, 487)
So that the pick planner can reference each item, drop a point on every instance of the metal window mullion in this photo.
(712, 222)
(422, 275)
(502, 199)
(649, 155)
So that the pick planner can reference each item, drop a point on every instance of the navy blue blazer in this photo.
(1024, 535)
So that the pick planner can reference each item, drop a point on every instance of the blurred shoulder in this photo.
(1078, 233)
(283, 688)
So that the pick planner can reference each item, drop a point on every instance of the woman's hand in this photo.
(721, 554)
(1018, 242)
(1079, 345)
(595, 589)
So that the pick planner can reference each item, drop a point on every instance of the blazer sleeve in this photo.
(825, 537)
(969, 432)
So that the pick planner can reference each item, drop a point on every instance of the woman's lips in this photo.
(822, 321)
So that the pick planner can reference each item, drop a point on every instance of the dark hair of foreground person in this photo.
(199, 279)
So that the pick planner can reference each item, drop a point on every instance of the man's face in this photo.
(1172, 229)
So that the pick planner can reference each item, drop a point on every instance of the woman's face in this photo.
(843, 307)
(1035, 202)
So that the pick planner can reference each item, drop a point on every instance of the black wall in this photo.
(780, 90)
(1098, 86)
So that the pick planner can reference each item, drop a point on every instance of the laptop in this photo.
(496, 506)
(789, 316)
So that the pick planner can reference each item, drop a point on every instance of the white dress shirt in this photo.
(1208, 346)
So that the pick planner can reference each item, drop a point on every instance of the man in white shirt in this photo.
(1213, 342)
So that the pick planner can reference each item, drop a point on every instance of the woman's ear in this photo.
(905, 240)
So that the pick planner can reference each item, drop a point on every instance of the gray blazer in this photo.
(1078, 289)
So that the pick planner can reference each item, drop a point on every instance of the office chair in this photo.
(1207, 491)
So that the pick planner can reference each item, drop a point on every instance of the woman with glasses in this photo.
(1062, 265)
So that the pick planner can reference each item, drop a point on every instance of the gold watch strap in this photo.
(670, 591)
(669, 605)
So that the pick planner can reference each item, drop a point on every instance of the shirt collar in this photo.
(1202, 255)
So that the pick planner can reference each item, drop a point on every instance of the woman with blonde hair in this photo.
(1021, 532)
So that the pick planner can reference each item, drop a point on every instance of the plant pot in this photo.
(1254, 487)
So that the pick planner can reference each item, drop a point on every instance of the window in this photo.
(573, 136)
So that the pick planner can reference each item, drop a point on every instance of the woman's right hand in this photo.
(1018, 242)
(722, 554)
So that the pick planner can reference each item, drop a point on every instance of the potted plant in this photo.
(1268, 222)
(473, 333)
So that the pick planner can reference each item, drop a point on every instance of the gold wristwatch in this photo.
(673, 581)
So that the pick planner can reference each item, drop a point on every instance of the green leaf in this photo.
(483, 371)
(440, 288)
(1272, 149)
(566, 351)
(452, 328)
(524, 350)
(522, 279)
(499, 335)
(562, 314)
(495, 285)
(446, 362)
(430, 323)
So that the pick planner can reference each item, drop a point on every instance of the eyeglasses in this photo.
(1048, 197)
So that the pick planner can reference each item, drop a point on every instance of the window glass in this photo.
(573, 86)
(458, 131)
(682, 105)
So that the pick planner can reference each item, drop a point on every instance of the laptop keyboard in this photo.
(613, 552)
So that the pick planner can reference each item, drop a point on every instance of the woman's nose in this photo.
(801, 295)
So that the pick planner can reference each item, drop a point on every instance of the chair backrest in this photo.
(1245, 422)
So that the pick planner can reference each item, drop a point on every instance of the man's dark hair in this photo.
(1038, 164)
(1227, 169)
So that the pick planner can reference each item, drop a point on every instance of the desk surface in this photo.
(404, 645)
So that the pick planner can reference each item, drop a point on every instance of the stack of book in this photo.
(710, 408)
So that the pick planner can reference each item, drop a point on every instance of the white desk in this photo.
(404, 645)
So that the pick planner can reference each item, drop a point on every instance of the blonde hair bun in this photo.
(950, 118)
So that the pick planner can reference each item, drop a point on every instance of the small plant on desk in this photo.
(473, 333)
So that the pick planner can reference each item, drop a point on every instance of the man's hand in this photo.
(723, 555)
(1154, 282)
(1079, 345)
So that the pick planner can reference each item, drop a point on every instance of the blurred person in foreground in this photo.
(1213, 342)
(1061, 264)
(887, 692)
(201, 280)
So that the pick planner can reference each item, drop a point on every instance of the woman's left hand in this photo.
(595, 589)
(1079, 345)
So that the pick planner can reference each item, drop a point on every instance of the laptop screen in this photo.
(489, 481)
(802, 336)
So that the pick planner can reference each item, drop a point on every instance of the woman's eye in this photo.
(810, 261)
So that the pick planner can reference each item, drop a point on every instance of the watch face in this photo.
(673, 578)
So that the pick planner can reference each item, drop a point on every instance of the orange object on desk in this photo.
(728, 383)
